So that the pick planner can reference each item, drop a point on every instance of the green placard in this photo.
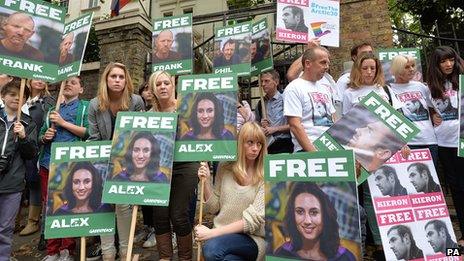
(232, 49)
(316, 185)
(207, 118)
(36, 55)
(172, 44)
(260, 50)
(74, 206)
(140, 166)
(373, 129)
(461, 113)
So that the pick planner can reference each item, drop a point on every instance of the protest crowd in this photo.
(287, 120)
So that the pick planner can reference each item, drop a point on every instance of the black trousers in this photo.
(453, 167)
(281, 146)
(183, 184)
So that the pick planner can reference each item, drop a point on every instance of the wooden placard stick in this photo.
(261, 98)
(83, 256)
(130, 244)
(60, 96)
(21, 99)
(200, 218)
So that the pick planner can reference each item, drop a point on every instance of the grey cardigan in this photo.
(100, 122)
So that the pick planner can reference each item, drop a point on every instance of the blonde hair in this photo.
(250, 131)
(356, 80)
(152, 85)
(398, 63)
(102, 95)
(43, 92)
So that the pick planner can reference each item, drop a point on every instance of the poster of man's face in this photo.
(28, 37)
(372, 141)
(232, 50)
(293, 18)
(260, 47)
(172, 44)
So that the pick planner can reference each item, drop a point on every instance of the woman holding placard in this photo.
(444, 69)
(416, 101)
(183, 183)
(115, 93)
(238, 202)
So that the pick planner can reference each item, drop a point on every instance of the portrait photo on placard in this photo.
(232, 50)
(260, 47)
(172, 44)
(141, 156)
(76, 188)
(332, 208)
(208, 116)
(29, 37)
(72, 46)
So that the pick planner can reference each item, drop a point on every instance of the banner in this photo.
(172, 44)
(461, 113)
(387, 55)
(75, 183)
(373, 129)
(140, 167)
(261, 49)
(311, 199)
(299, 21)
(411, 210)
(207, 110)
(232, 49)
(33, 39)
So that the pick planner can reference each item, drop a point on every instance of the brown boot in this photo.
(32, 221)
(184, 247)
(164, 245)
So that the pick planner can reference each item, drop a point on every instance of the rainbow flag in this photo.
(116, 5)
(317, 29)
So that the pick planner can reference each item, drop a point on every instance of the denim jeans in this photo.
(230, 247)
(9, 204)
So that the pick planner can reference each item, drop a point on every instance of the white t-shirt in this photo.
(447, 132)
(415, 103)
(352, 96)
(342, 84)
(311, 102)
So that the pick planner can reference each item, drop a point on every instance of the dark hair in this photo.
(436, 78)
(355, 49)
(296, 11)
(438, 225)
(421, 167)
(15, 86)
(97, 186)
(142, 87)
(154, 155)
(79, 78)
(329, 239)
(389, 171)
(402, 231)
(229, 41)
(218, 124)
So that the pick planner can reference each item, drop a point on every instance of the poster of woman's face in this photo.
(303, 216)
(208, 116)
(142, 156)
(76, 188)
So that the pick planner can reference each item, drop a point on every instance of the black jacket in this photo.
(17, 150)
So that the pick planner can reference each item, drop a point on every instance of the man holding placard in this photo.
(300, 97)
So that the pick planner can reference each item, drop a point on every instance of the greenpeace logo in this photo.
(230, 157)
(154, 200)
(101, 230)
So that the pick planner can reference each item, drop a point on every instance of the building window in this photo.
(188, 10)
(167, 14)
(93, 3)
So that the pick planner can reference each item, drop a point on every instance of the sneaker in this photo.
(151, 240)
(65, 256)
(94, 252)
(54, 257)
(142, 234)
